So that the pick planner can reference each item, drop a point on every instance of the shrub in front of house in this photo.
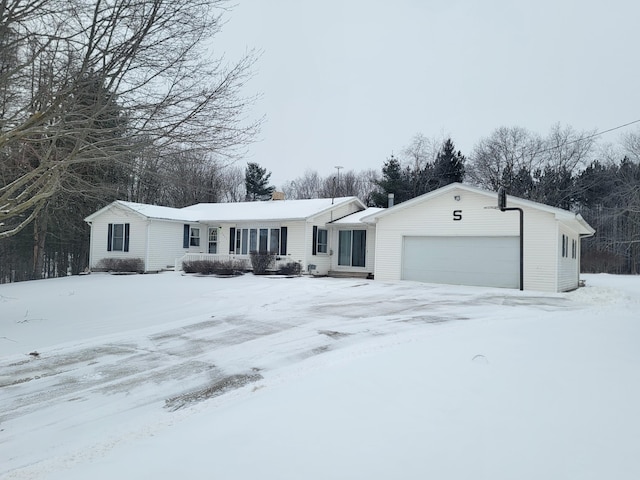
(214, 267)
(290, 268)
(204, 267)
(229, 267)
(121, 265)
(262, 262)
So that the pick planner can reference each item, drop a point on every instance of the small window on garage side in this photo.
(194, 238)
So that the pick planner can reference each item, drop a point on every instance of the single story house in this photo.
(458, 235)
(162, 237)
(455, 235)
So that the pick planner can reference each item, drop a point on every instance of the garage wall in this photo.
(435, 217)
(568, 274)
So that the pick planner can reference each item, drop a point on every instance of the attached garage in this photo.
(480, 261)
(458, 235)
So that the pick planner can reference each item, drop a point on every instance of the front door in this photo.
(352, 245)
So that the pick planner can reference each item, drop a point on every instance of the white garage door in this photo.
(481, 261)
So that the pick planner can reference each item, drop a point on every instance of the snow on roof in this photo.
(242, 211)
(156, 211)
(357, 217)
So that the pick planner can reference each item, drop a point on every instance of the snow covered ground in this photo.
(162, 376)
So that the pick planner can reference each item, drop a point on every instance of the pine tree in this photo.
(394, 180)
(256, 180)
(448, 166)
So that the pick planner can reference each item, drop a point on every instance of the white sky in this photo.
(348, 82)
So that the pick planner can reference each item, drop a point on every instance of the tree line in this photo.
(566, 168)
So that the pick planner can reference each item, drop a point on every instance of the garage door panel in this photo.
(481, 261)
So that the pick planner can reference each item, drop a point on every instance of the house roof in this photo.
(356, 218)
(276, 210)
(574, 219)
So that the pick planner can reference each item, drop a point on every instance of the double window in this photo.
(118, 237)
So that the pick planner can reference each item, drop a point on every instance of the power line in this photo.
(589, 137)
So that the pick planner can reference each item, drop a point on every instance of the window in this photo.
(352, 246)
(274, 241)
(574, 248)
(322, 241)
(564, 248)
(271, 240)
(264, 238)
(245, 239)
(253, 240)
(213, 240)
(118, 237)
(194, 237)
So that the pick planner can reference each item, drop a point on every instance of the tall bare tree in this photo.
(92, 82)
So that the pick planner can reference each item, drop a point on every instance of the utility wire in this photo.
(588, 137)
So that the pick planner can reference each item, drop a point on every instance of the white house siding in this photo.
(165, 244)
(568, 274)
(435, 217)
(296, 232)
(323, 261)
(99, 229)
(539, 252)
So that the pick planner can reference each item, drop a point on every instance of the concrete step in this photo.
(343, 274)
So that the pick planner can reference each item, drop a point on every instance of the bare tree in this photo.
(232, 184)
(498, 159)
(87, 82)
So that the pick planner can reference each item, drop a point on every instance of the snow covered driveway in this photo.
(122, 358)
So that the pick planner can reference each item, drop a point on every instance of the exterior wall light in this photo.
(457, 198)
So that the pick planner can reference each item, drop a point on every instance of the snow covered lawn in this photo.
(163, 376)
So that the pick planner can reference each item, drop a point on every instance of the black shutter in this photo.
(314, 240)
(283, 240)
(109, 236)
(232, 240)
(126, 237)
(185, 236)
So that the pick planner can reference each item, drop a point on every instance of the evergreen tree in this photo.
(256, 180)
(394, 180)
(448, 166)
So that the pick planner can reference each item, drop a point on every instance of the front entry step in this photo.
(341, 274)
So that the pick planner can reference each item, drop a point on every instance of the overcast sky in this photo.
(349, 82)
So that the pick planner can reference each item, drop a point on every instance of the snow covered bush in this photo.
(262, 262)
(290, 268)
(214, 267)
(121, 265)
